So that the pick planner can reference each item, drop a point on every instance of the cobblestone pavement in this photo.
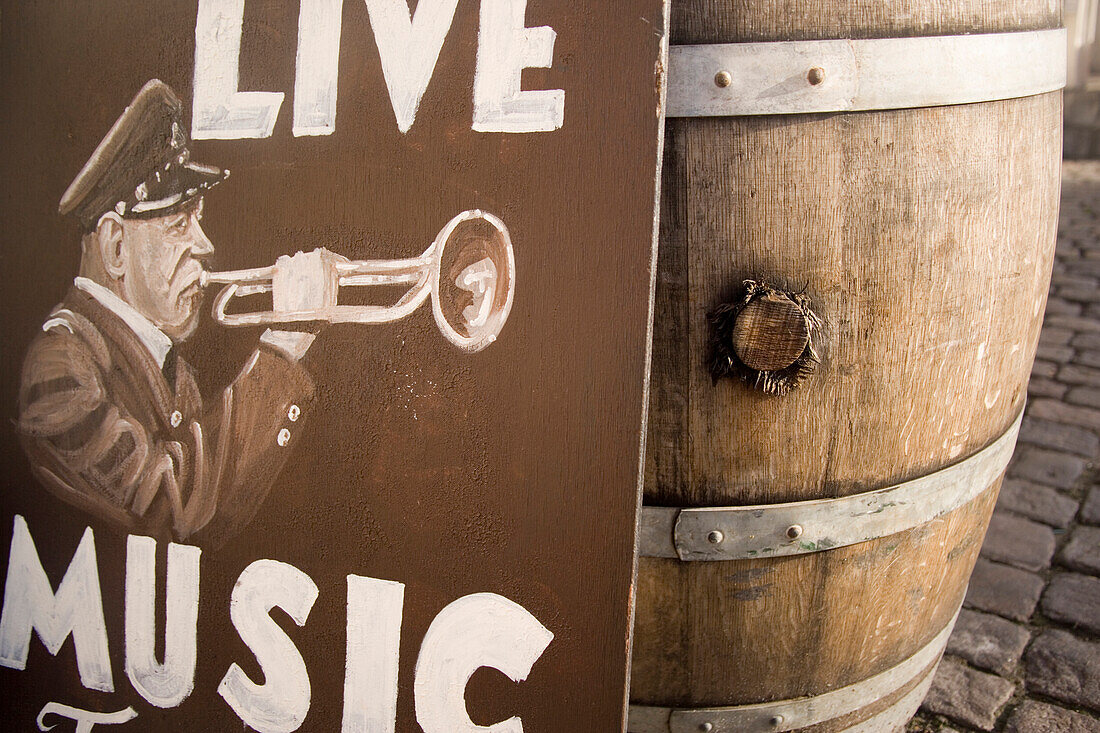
(1025, 653)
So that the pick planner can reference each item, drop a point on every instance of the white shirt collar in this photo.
(155, 340)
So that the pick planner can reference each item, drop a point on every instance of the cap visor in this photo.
(192, 180)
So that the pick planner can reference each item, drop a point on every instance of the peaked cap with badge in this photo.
(142, 168)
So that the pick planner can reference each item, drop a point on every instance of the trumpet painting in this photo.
(111, 416)
(350, 439)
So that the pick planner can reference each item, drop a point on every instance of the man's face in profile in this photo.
(164, 260)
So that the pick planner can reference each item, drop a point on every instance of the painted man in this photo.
(111, 417)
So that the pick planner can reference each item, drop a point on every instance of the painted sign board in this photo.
(325, 344)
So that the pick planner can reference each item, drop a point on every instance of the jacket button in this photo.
(293, 413)
(175, 418)
(283, 437)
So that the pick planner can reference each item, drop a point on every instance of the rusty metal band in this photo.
(786, 715)
(794, 77)
(800, 527)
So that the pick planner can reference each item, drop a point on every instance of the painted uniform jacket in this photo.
(105, 431)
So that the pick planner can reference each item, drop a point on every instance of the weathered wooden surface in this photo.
(752, 531)
(745, 631)
(734, 21)
(770, 333)
(776, 716)
(923, 239)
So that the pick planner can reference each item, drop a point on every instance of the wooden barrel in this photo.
(858, 224)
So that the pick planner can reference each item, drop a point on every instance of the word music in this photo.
(477, 630)
(408, 45)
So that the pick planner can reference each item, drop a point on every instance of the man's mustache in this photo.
(185, 258)
(185, 280)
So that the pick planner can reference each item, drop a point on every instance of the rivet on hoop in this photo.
(715, 537)
(706, 727)
(776, 721)
(794, 531)
(723, 79)
(816, 75)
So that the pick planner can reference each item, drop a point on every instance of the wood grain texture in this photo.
(748, 631)
(924, 240)
(736, 21)
(770, 333)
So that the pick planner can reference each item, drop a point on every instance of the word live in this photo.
(475, 631)
(408, 47)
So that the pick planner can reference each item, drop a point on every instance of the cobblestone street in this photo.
(1025, 653)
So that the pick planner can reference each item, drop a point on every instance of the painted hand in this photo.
(306, 282)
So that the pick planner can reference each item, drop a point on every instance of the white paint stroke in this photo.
(306, 287)
(281, 703)
(408, 45)
(373, 650)
(505, 48)
(77, 609)
(478, 630)
(163, 685)
(317, 68)
(479, 279)
(85, 719)
(219, 110)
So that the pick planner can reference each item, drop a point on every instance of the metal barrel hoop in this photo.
(797, 528)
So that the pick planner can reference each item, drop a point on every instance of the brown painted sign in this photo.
(325, 342)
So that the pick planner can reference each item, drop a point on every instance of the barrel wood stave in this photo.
(746, 21)
(924, 240)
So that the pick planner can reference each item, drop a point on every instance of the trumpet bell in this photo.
(473, 279)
